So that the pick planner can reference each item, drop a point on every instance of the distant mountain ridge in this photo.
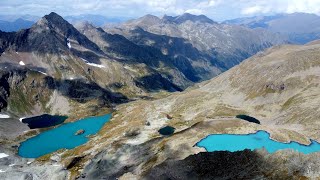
(298, 27)
(222, 43)
(16, 25)
(188, 17)
(11, 23)
(96, 20)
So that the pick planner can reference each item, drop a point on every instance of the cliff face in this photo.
(26, 92)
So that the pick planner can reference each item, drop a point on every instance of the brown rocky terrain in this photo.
(279, 87)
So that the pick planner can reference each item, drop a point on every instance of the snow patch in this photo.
(3, 155)
(4, 116)
(22, 63)
(10, 165)
(29, 162)
(17, 53)
(20, 119)
(85, 60)
(93, 64)
(43, 73)
(1, 171)
(130, 69)
(96, 65)
(69, 45)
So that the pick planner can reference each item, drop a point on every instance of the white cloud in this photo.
(194, 11)
(216, 9)
(250, 7)
(208, 4)
(251, 10)
(309, 6)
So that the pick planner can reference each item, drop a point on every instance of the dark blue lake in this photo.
(258, 140)
(167, 130)
(44, 121)
(62, 137)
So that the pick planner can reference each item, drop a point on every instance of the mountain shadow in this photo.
(83, 92)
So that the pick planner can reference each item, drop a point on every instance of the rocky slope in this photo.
(279, 87)
(65, 62)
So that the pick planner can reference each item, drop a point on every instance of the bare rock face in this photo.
(227, 165)
(132, 132)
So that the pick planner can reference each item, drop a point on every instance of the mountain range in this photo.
(10, 23)
(298, 27)
(133, 62)
(96, 20)
(187, 72)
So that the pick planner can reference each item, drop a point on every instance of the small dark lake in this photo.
(167, 130)
(44, 121)
(248, 118)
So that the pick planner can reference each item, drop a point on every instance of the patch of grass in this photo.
(44, 158)
(288, 103)
(223, 110)
(152, 161)
(29, 92)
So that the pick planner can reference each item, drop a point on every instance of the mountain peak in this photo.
(53, 15)
(149, 18)
(188, 17)
(194, 18)
(84, 25)
(57, 32)
(55, 22)
(49, 19)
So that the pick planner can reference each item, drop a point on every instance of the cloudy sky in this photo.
(215, 9)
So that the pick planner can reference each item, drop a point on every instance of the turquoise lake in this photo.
(62, 137)
(258, 140)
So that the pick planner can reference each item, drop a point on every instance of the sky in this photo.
(217, 10)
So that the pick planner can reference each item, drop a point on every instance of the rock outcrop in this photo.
(79, 132)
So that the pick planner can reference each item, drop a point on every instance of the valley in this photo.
(139, 99)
